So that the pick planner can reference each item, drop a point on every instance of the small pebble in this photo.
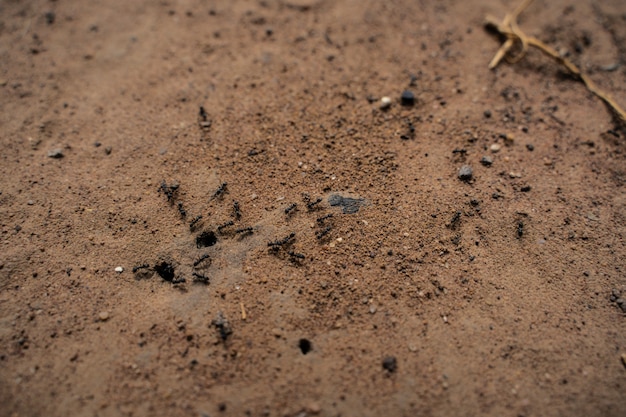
(103, 316)
(314, 408)
(530, 147)
(385, 103)
(119, 269)
(108, 150)
(407, 98)
(487, 113)
(56, 153)
(495, 147)
(390, 364)
(372, 309)
(465, 173)
(486, 161)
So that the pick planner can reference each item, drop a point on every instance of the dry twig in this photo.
(517, 39)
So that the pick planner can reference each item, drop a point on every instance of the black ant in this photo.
(137, 268)
(321, 220)
(283, 241)
(200, 259)
(194, 222)
(168, 190)
(324, 232)
(220, 190)
(291, 208)
(296, 255)
(181, 210)
(245, 230)
(236, 210)
(200, 278)
(311, 205)
(225, 225)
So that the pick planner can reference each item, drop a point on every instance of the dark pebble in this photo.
(486, 161)
(525, 189)
(487, 113)
(50, 17)
(530, 147)
(56, 153)
(407, 98)
(390, 364)
(108, 150)
(465, 173)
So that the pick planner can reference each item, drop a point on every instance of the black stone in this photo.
(349, 205)
(407, 98)
(390, 364)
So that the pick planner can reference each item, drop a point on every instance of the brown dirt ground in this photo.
(509, 308)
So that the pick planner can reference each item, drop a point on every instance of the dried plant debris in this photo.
(517, 43)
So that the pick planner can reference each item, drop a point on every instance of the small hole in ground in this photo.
(165, 270)
(206, 239)
(305, 346)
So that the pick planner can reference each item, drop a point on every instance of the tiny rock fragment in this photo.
(390, 364)
(486, 160)
(119, 269)
(495, 147)
(56, 153)
(385, 103)
(314, 408)
(407, 98)
(103, 316)
(465, 173)
(624, 359)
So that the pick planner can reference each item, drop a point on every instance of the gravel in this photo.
(465, 173)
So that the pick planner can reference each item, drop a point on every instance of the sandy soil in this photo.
(416, 293)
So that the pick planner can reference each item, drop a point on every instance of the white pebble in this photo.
(119, 269)
(495, 147)
(385, 103)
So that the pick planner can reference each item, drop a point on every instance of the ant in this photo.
(225, 225)
(245, 230)
(296, 255)
(324, 232)
(220, 190)
(137, 268)
(199, 260)
(291, 208)
(181, 210)
(282, 242)
(200, 278)
(168, 190)
(236, 210)
(194, 222)
(321, 220)
(311, 205)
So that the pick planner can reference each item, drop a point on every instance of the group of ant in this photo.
(208, 238)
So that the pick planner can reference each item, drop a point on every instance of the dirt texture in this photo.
(457, 252)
